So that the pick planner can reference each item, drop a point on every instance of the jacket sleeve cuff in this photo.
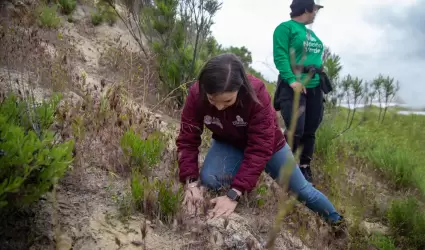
(184, 178)
(239, 188)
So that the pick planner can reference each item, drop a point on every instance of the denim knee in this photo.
(210, 181)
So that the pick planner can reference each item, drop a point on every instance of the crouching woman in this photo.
(246, 141)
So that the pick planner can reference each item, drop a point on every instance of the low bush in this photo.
(31, 160)
(47, 17)
(156, 198)
(104, 13)
(142, 154)
(67, 6)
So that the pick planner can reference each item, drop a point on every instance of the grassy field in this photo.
(374, 171)
(394, 146)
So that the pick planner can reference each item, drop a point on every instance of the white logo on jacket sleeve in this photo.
(239, 122)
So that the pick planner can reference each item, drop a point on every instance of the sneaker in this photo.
(340, 228)
(306, 171)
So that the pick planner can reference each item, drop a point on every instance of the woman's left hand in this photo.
(223, 206)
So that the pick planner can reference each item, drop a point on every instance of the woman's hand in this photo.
(193, 198)
(296, 86)
(223, 206)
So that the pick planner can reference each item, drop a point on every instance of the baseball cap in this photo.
(301, 5)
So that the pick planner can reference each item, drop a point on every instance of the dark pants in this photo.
(310, 111)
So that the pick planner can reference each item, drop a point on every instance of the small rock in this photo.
(372, 228)
(117, 241)
(137, 243)
(216, 238)
(64, 242)
(234, 231)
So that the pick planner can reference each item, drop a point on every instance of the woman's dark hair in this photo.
(225, 73)
(299, 11)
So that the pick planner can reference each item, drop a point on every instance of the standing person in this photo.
(246, 141)
(308, 50)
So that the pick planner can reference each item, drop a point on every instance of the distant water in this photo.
(361, 105)
(403, 112)
(406, 112)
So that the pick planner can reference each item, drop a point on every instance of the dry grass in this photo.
(139, 77)
(40, 58)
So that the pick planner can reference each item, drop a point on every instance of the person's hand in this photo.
(193, 198)
(297, 86)
(223, 206)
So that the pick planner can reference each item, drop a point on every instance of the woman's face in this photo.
(223, 100)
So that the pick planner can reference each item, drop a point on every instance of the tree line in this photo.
(178, 34)
(353, 90)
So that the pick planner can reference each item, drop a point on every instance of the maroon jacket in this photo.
(245, 125)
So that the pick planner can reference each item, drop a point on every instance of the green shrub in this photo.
(48, 17)
(109, 14)
(138, 184)
(104, 13)
(169, 200)
(142, 153)
(407, 221)
(155, 198)
(383, 242)
(96, 18)
(261, 191)
(30, 160)
(67, 6)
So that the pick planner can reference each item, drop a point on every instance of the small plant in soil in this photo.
(96, 18)
(104, 13)
(142, 153)
(155, 198)
(48, 17)
(67, 6)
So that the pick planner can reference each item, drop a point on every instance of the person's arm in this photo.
(281, 54)
(260, 144)
(189, 139)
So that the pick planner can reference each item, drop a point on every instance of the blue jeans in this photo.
(223, 161)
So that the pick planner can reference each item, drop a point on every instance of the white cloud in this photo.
(342, 26)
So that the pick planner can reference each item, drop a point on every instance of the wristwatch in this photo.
(233, 195)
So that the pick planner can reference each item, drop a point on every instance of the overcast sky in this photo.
(371, 36)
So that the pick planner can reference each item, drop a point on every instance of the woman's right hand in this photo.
(193, 198)
(297, 86)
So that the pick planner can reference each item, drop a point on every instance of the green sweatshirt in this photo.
(292, 34)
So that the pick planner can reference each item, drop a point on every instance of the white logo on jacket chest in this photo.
(239, 122)
(212, 120)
